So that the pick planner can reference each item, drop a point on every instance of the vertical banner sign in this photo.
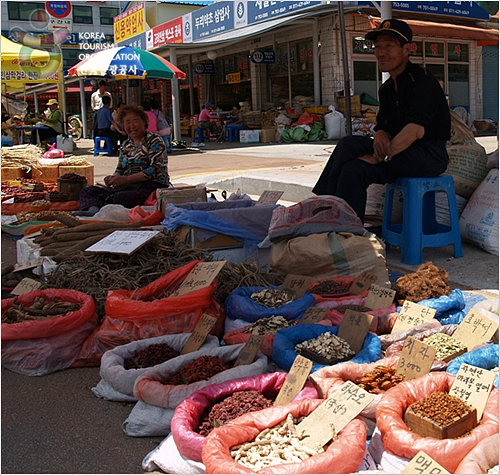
(187, 28)
(129, 23)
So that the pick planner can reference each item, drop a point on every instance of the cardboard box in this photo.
(268, 135)
(84, 170)
(48, 174)
(355, 105)
(188, 234)
(181, 194)
(12, 173)
(250, 136)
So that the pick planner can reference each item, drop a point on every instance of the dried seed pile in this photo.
(428, 282)
(445, 345)
(268, 326)
(47, 215)
(442, 408)
(200, 369)
(150, 356)
(232, 407)
(327, 345)
(40, 309)
(96, 274)
(274, 446)
(329, 287)
(352, 306)
(379, 380)
(273, 298)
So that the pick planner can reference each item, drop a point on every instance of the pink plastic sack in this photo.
(481, 458)
(149, 218)
(399, 440)
(342, 456)
(53, 152)
(188, 414)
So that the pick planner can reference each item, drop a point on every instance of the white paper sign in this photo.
(123, 242)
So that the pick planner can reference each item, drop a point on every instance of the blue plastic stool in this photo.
(232, 134)
(200, 136)
(168, 143)
(108, 147)
(420, 228)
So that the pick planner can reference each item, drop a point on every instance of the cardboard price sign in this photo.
(294, 382)
(379, 297)
(202, 275)
(199, 334)
(123, 242)
(26, 285)
(363, 282)
(473, 386)
(28, 264)
(313, 315)
(354, 328)
(336, 411)
(416, 359)
(412, 315)
(422, 463)
(269, 197)
(249, 351)
(475, 329)
(297, 284)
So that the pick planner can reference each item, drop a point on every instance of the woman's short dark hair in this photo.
(154, 104)
(146, 105)
(138, 111)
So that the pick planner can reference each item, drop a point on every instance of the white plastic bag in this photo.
(334, 124)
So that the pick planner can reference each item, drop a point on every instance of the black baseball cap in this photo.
(398, 29)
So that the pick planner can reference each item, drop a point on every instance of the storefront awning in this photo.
(446, 30)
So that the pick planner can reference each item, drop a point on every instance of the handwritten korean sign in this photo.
(249, 351)
(412, 315)
(475, 329)
(295, 380)
(26, 285)
(379, 297)
(336, 411)
(199, 334)
(354, 328)
(123, 242)
(313, 315)
(363, 283)
(202, 275)
(297, 284)
(422, 463)
(416, 359)
(473, 386)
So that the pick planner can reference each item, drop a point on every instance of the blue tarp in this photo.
(486, 357)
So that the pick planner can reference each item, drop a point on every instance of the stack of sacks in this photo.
(117, 383)
(152, 414)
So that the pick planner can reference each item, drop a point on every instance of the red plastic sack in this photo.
(236, 336)
(330, 378)
(342, 456)
(138, 314)
(399, 440)
(50, 326)
(188, 414)
(304, 119)
(151, 200)
(344, 280)
(150, 218)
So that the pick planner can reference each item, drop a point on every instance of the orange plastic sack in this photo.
(399, 440)
(342, 456)
(481, 458)
(138, 314)
(330, 378)
(150, 218)
(51, 326)
(304, 119)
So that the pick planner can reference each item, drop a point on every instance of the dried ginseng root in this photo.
(274, 446)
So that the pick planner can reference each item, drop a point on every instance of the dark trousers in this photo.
(44, 134)
(112, 134)
(348, 178)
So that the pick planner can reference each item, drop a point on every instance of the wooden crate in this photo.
(84, 170)
(355, 105)
(48, 174)
(426, 427)
(12, 173)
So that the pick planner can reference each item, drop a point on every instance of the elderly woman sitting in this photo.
(142, 167)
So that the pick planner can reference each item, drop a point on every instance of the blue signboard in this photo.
(137, 41)
(212, 20)
(258, 11)
(457, 9)
(261, 57)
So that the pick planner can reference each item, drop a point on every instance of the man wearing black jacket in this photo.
(413, 125)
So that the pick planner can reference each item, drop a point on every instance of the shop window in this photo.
(365, 78)
(26, 11)
(82, 14)
(305, 56)
(71, 56)
(243, 67)
(437, 71)
(458, 84)
(416, 49)
(434, 49)
(362, 46)
(458, 52)
(107, 14)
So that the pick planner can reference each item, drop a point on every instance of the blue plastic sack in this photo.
(448, 307)
(240, 305)
(284, 353)
(485, 357)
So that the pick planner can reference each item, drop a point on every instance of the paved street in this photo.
(54, 423)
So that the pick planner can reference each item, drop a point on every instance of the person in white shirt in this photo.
(96, 98)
